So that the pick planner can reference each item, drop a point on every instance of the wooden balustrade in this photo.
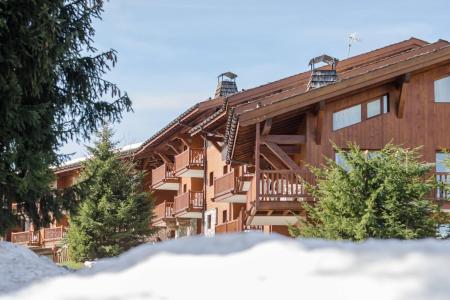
(162, 173)
(188, 201)
(281, 185)
(191, 158)
(163, 210)
(441, 192)
(229, 227)
(225, 184)
(26, 238)
(53, 234)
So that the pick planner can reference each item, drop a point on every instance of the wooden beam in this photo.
(291, 149)
(174, 149)
(165, 159)
(284, 139)
(403, 95)
(267, 127)
(257, 164)
(320, 119)
(216, 145)
(283, 156)
(185, 140)
(272, 159)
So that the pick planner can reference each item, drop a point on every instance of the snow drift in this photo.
(20, 266)
(257, 266)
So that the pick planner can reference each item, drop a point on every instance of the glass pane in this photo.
(341, 161)
(385, 104)
(440, 162)
(373, 108)
(347, 117)
(442, 90)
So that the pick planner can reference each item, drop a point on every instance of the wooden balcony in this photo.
(277, 196)
(45, 237)
(442, 193)
(26, 238)
(163, 213)
(190, 163)
(163, 178)
(189, 205)
(230, 227)
(232, 189)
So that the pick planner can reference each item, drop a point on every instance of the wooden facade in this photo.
(237, 163)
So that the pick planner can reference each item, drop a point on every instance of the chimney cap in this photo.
(230, 75)
(329, 60)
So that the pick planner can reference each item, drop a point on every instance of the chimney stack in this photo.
(325, 75)
(226, 84)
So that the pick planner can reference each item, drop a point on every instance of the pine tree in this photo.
(372, 195)
(52, 90)
(115, 212)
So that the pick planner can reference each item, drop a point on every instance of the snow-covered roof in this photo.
(76, 162)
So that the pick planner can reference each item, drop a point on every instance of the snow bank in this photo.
(20, 266)
(256, 266)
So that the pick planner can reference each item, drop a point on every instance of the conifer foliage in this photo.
(371, 195)
(115, 212)
(52, 89)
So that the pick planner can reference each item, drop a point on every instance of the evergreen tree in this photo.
(52, 90)
(115, 212)
(371, 195)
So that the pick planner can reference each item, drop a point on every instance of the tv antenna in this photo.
(352, 38)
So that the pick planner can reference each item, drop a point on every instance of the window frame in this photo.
(434, 88)
(364, 110)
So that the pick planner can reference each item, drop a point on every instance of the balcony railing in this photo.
(188, 201)
(282, 185)
(191, 158)
(163, 172)
(54, 234)
(26, 238)
(442, 179)
(163, 210)
(225, 184)
(229, 227)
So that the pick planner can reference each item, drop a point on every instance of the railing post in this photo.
(257, 171)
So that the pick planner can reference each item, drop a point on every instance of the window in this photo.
(225, 169)
(373, 108)
(341, 161)
(224, 216)
(184, 188)
(385, 104)
(211, 178)
(347, 117)
(208, 222)
(441, 157)
(442, 90)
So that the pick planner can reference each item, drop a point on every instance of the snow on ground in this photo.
(20, 266)
(257, 266)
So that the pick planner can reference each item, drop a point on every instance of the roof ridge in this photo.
(389, 57)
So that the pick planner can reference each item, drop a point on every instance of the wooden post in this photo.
(257, 164)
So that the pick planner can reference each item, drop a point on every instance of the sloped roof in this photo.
(272, 105)
(77, 162)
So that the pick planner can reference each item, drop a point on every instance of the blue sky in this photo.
(170, 52)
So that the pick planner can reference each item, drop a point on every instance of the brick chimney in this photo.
(325, 75)
(226, 84)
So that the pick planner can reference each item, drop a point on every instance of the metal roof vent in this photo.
(226, 84)
(325, 75)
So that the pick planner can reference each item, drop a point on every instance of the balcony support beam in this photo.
(283, 156)
(403, 95)
(284, 139)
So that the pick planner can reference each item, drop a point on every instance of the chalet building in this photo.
(237, 162)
